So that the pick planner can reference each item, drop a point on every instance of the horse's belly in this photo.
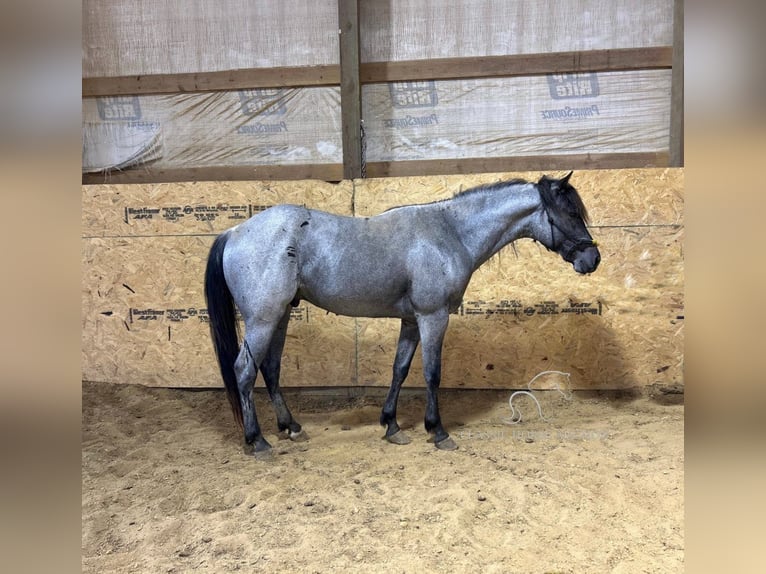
(359, 300)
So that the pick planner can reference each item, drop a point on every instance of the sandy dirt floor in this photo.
(167, 488)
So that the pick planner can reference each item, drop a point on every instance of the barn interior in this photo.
(199, 114)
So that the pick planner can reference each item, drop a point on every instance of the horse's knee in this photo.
(400, 373)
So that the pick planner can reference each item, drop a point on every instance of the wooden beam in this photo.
(517, 65)
(518, 163)
(372, 72)
(212, 81)
(334, 172)
(350, 90)
(323, 172)
(677, 88)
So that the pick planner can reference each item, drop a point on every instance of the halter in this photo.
(568, 245)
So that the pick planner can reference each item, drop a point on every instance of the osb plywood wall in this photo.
(144, 318)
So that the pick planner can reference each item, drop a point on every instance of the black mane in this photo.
(470, 191)
(567, 202)
(491, 186)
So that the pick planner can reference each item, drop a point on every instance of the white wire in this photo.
(516, 415)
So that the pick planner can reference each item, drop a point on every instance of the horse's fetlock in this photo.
(432, 423)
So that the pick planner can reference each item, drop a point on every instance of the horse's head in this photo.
(565, 230)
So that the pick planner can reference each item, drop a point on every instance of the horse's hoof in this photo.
(300, 436)
(264, 455)
(446, 444)
(398, 438)
(261, 449)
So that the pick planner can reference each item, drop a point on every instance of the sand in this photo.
(167, 488)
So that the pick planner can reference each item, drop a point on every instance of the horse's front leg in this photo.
(409, 336)
(432, 329)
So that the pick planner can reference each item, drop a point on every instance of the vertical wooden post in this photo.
(350, 90)
(677, 88)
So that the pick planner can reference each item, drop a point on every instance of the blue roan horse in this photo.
(412, 262)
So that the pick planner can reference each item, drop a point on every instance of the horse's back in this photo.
(355, 266)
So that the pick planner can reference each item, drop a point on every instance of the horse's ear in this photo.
(564, 180)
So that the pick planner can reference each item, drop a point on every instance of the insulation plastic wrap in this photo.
(611, 112)
(398, 30)
(143, 37)
(235, 128)
(542, 115)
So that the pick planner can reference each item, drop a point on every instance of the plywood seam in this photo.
(639, 226)
(147, 236)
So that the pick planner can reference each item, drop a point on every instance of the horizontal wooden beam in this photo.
(212, 81)
(375, 72)
(334, 172)
(517, 65)
(518, 163)
(323, 172)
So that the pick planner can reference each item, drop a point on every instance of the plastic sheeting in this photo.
(612, 112)
(397, 30)
(234, 128)
(143, 37)
(187, 36)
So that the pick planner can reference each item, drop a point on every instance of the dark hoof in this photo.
(261, 450)
(446, 444)
(398, 438)
(264, 455)
(300, 436)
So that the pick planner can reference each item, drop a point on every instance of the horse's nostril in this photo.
(598, 258)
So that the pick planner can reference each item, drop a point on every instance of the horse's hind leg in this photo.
(270, 368)
(252, 353)
(405, 350)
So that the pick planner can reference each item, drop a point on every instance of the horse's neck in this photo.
(487, 221)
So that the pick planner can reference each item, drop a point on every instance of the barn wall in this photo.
(234, 128)
(144, 318)
(625, 112)
(204, 89)
(402, 30)
(144, 37)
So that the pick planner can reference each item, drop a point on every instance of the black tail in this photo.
(223, 322)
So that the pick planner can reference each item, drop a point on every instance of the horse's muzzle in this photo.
(586, 260)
